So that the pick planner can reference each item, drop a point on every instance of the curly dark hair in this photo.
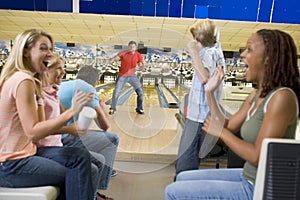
(281, 68)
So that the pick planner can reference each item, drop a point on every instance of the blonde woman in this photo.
(53, 108)
(21, 124)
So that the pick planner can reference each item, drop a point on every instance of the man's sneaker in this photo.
(114, 172)
(111, 112)
(141, 112)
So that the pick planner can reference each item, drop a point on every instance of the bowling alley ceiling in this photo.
(119, 29)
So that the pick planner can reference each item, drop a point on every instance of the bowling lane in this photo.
(105, 94)
(155, 131)
(151, 96)
(179, 91)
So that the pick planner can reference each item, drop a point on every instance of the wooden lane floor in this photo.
(151, 137)
(105, 93)
(179, 91)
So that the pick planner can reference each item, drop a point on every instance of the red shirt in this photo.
(129, 62)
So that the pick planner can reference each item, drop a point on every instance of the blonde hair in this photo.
(16, 61)
(55, 60)
(205, 32)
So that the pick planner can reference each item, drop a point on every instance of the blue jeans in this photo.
(67, 168)
(98, 161)
(106, 144)
(189, 147)
(135, 83)
(210, 184)
(103, 147)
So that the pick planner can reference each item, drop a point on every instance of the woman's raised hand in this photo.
(215, 80)
(80, 99)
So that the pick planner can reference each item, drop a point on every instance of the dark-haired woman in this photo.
(270, 111)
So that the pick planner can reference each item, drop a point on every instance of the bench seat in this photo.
(30, 193)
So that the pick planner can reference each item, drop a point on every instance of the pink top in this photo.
(14, 143)
(52, 110)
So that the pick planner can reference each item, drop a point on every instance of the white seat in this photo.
(278, 172)
(297, 134)
(30, 193)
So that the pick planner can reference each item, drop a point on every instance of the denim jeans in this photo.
(189, 146)
(98, 161)
(66, 168)
(106, 144)
(210, 184)
(103, 146)
(135, 83)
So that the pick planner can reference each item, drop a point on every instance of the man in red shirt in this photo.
(129, 59)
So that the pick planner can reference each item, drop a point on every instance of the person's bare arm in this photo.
(114, 59)
(281, 112)
(29, 116)
(201, 72)
(61, 108)
(41, 113)
(234, 122)
(141, 66)
(210, 87)
(102, 119)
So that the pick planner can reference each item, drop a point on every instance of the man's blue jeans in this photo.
(68, 168)
(103, 147)
(106, 144)
(135, 83)
(189, 147)
(210, 184)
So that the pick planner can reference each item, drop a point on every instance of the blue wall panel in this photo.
(120, 6)
(211, 3)
(287, 12)
(148, 7)
(142, 7)
(264, 11)
(175, 8)
(239, 10)
(202, 3)
(105, 7)
(214, 12)
(96, 6)
(199, 2)
(60, 6)
(188, 8)
(201, 12)
(135, 7)
(17, 4)
(116, 6)
(40, 5)
(162, 8)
